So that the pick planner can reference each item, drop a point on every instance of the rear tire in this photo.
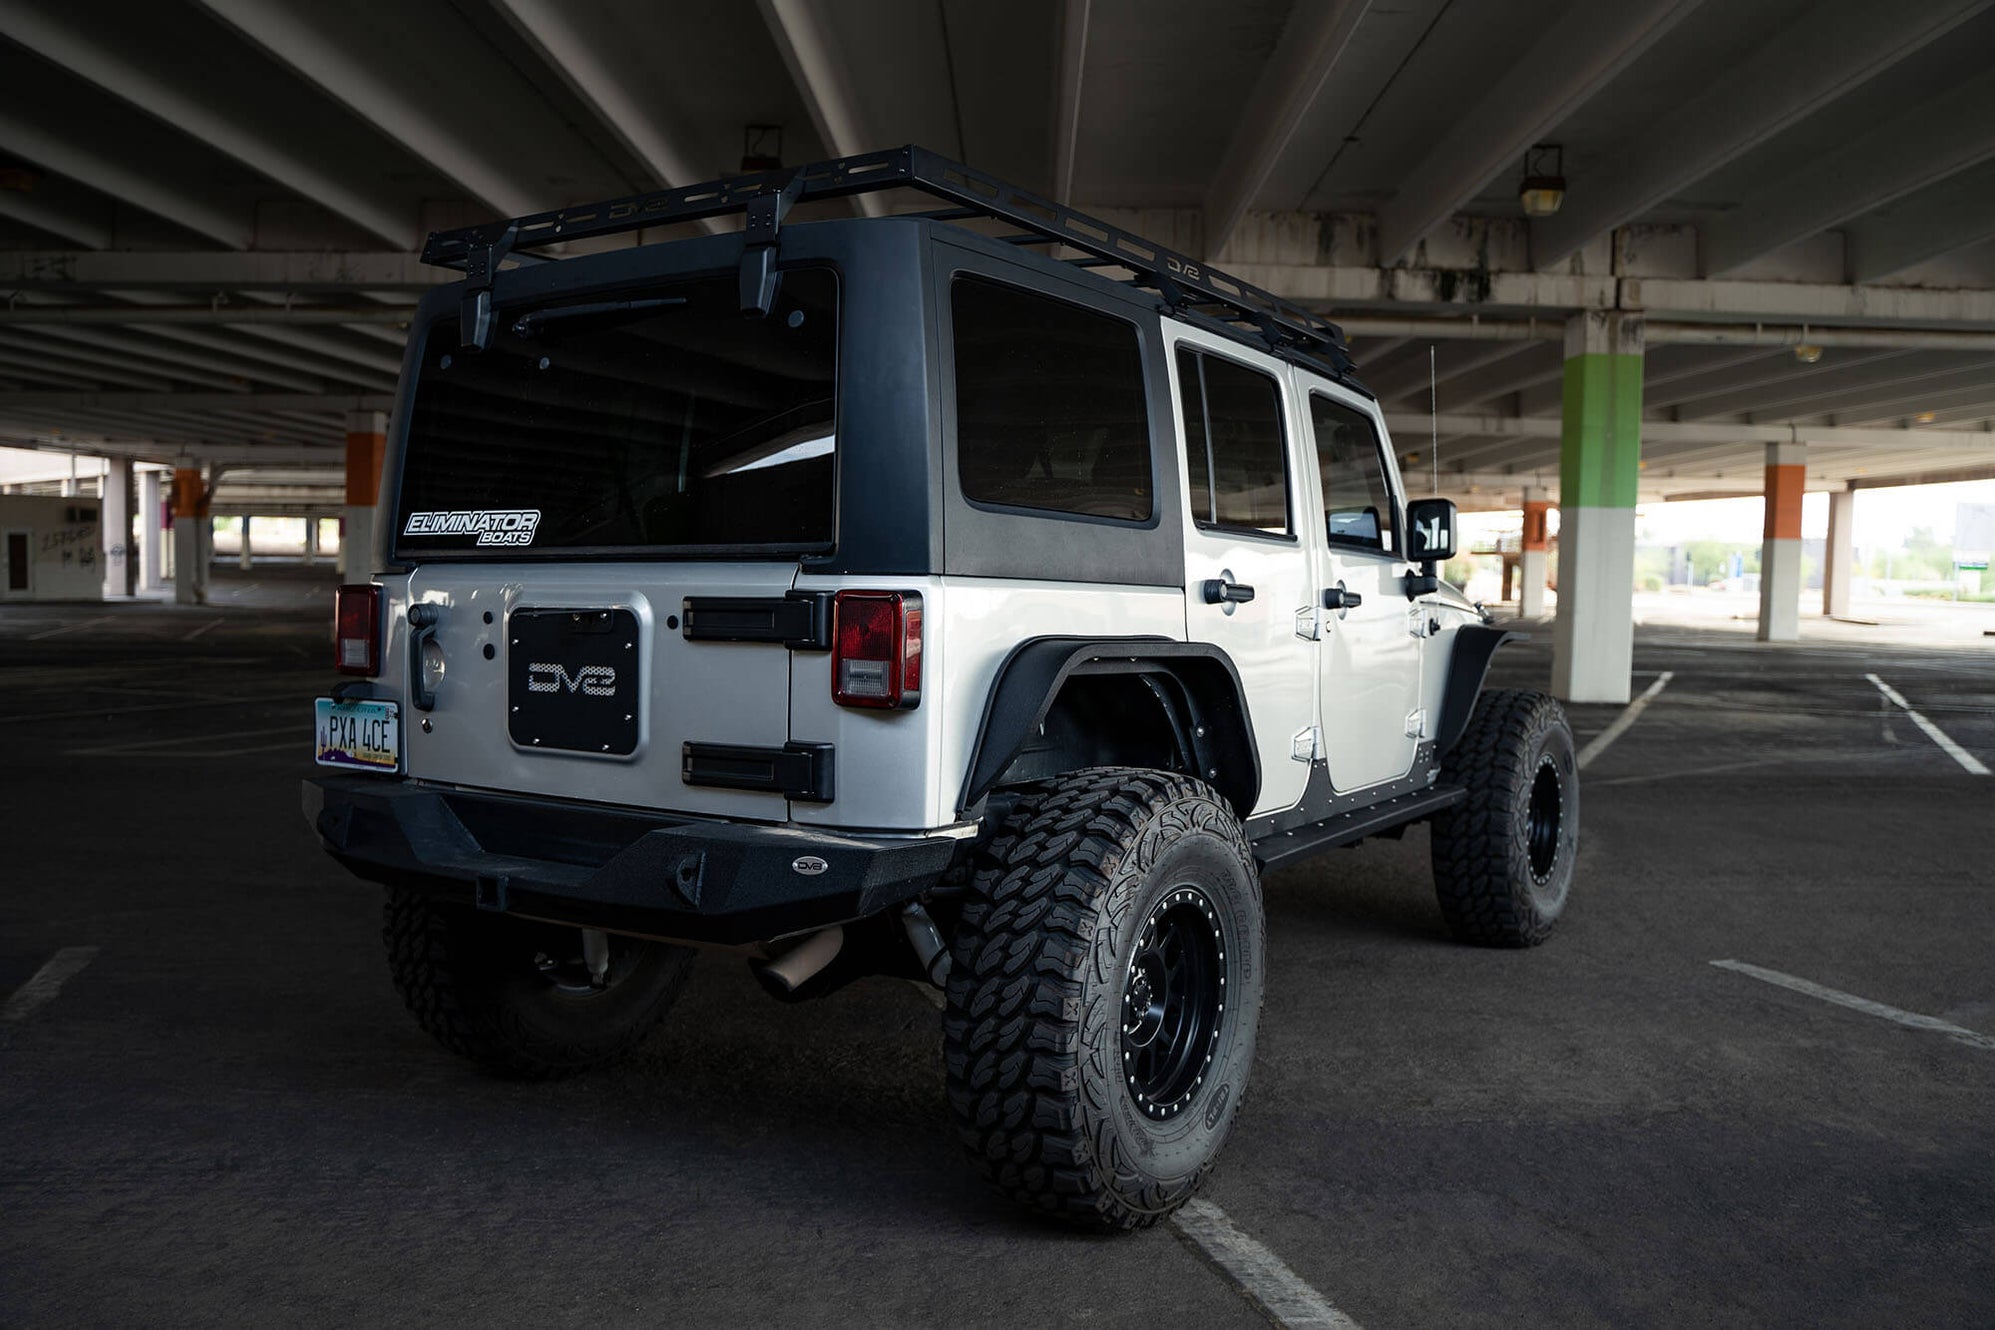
(1103, 996)
(1504, 857)
(513, 996)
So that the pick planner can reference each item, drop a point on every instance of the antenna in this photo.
(1434, 417)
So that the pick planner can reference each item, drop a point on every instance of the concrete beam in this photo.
(585, 67)
(365, 89)
(315, 402)
(63, 209)
(205, 270)
(108, 173)
(1581, 51)
(1942, 220)
(73, 48)
(1072, 58)
(1831, 47)
(205, 368)
(37, 352)
(230, 314)
(820, 77)
(1936, 139)
(1311, 44)
(1662, 431)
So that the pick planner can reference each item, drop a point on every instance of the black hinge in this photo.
(796, 770)
(800, 620)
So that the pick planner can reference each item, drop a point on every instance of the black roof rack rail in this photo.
(1285, 328)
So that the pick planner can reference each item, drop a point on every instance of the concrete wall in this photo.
(64, 547)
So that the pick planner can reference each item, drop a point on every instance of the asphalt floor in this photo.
(224, 1115)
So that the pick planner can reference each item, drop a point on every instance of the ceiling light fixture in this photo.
(1925, 417)
(1805, 351)
(1544, 185)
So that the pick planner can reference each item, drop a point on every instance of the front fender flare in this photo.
(1468, 664)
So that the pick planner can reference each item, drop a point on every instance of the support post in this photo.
(1839, 565)
(244, 560)
(311, 540)
(115, 528)
(1533, 565)
(366, 444)
(152, 534)
(1593, 642)
(190, 504)
(1780, 548)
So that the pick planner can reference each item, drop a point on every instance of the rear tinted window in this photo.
(1050, 407)
(1233, 438)
(657, 419)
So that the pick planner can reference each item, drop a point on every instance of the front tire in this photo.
(1103, 996)
(515, 996)
(1504, 856)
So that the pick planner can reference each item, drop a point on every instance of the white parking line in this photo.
(79, 625)
(46, 982)
(1864, 1005)
(119, 750)
(1261, 1275)
(1625, 719)
(212, 623)
(1974, 765)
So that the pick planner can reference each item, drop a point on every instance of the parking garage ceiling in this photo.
(209, 209)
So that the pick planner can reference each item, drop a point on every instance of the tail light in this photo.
(876, 649)
(357, 630)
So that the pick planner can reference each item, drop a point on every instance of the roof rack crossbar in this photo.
(1285, 327)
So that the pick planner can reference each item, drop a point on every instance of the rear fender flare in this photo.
(1194, 682)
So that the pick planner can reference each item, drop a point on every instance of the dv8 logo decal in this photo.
(593, 680)
(492, 526)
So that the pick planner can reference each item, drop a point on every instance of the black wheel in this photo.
(518, 997)
(1103, 995)
(1503, 858)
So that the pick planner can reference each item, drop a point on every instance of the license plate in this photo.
(367, 735)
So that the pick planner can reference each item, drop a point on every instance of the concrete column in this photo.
(1839, 567)
(152, 575)
(1533, 567)
(366, 444)
(311, 541)
(243, 555)
(1593, 641)
(190, 504)
(115, 529)
(1780, 548)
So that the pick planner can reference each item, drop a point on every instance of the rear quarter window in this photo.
(1051, 410)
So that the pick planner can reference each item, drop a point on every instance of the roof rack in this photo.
(1189, 287)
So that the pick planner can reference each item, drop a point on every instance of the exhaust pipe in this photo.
(783, 975)
(926, 939)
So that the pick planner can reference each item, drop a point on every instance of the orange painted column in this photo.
(190, 511)
(1780, 548)
(366, 446)
(1534, 568)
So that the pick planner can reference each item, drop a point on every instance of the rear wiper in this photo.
(527, 324)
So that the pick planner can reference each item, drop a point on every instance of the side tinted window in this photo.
(1050, 407)
(1233, 436)
(1357, 506)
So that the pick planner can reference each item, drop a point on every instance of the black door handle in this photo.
(1219, 591)
(1336, 598)
(423, 618)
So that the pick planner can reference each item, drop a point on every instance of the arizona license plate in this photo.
(367, 735)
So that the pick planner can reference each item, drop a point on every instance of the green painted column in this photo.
(1599, 470)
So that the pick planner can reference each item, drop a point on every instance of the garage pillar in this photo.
(243, 553)
(1839, 565)
(366, 443)
(152, 534)
(1533, 564)
(1593, 640)
(311, 541)
(1780, 549)
(190, 513)
(115, 528)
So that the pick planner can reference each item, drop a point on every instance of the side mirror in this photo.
(1430, 530)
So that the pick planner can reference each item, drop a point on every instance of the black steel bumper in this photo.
(676, 877)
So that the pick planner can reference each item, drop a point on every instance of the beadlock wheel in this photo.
(1173, 1002)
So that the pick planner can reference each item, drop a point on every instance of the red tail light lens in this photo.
(876, 649)
(357, 630)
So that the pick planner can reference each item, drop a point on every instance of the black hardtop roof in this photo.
(1189, 289)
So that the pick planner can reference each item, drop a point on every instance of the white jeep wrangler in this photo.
(885, 596)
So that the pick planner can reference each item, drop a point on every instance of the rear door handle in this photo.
(423, 618)
(1219, 591)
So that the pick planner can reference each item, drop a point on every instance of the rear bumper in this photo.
(677, 877)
